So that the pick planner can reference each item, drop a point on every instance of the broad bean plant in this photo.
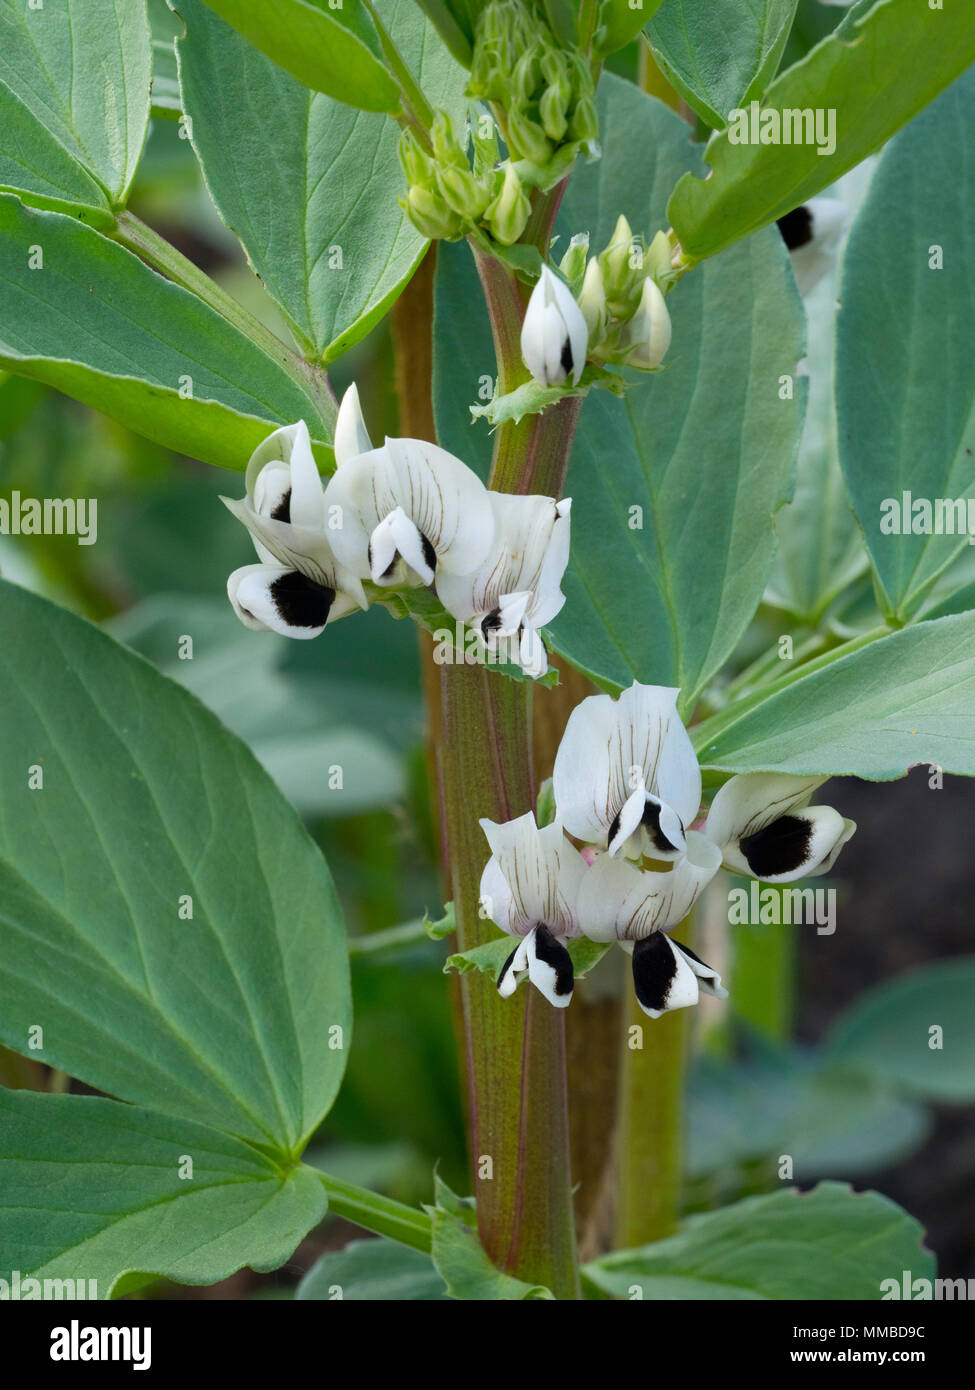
(681, 503)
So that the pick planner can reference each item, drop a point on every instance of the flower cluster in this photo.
(627, 785)
(400, 516)
(617, 313)
(543, 97)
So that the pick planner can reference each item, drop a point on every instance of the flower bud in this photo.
(525, 79)
(645, 339)
(463, 193)
(585, 123)
(554, 336)
(656, 261)
(615, 260)
(527, 139)
(446, 147)
(552, 109)
(592, 302)
(510, 211)
(430, 215)
(417, 164)
(573, 263)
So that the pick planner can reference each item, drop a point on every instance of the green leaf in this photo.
(373, 1271)
(98, 324)
(150, 807)
(489, 957)
(835, 1123)
(92, 1190)
(620, 23)
(896, 703)
(74, 100)
(443, 926)
(320, 221)
(720, 55)
(831, 1243)
(877, 70)
(905, 369)
(888, 1031)
(462, 1261)
(335, 51)
(704, 449)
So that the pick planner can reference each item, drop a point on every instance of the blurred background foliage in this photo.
(814, 1073)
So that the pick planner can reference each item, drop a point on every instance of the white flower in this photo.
(300, 586)
(764, 826)
(554, 336)
(646, 337)
(619, 902)
(351, 435)
(528, 889)
(516, 590)
(813, 233)
(626, 775)
(407, 511)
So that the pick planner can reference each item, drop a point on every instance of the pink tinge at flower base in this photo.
(299, 586)
(763, 825)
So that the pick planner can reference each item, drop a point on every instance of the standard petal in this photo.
(307, 492)
(550, 967)
(351, 435)
(582, 781)
(619, 902)
(497, 901)
(662, 976)
(653, 737)
(282, 600)
(446, 502)
(542, 869)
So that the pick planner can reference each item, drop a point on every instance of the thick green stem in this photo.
(515, 1047)
(649, 1136)
(136, 236)
(379, 1214)
(763, 972)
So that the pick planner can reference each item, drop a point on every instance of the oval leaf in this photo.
(330, 50)
(164, 917)
(98, 324)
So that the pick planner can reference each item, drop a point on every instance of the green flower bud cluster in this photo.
(543, 91)
(621, 295)
(449, 197)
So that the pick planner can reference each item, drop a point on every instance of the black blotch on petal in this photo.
(796, 228)
(490, 622)
(654, 968)
(282, 512)
(778, 849)
(429, 554)
(614, 826)
(565, 361)
(506, 967)
(651, 819)
(553, 953)
(300, 601)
